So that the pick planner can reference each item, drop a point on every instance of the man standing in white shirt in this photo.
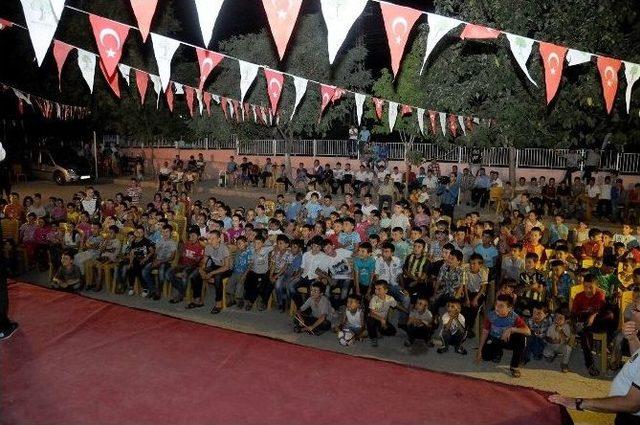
(338, 179)
(604, 202)
(592, 197)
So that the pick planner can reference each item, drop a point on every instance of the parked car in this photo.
(62, 166)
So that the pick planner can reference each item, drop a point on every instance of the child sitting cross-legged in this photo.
(420, 323)
(353, 317)
(318, 320)
(558, 339)
(539, 323)
(453, 330)
(377, 321)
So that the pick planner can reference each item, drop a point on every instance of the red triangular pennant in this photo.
(337, 95)
(398, 21)
(282, 16)
(609, 69)
(453, 125)
(553, 57)
(479, 32)
(110, 38)
(379, 104)
(406, 110)
(113, 81)
(327, 93)
(142, 81)
(60, 53)
(433, 117)
(170, 96)
(275, 84)
(207, 60)
(189, 95)
(5, 24)
(207, 102)
(223, 105)
(144, 11)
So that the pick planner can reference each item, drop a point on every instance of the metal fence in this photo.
(624, 163)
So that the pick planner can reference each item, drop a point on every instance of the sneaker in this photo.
(130, 292)
(443, 349)
(564, 368)
(145, 293)
(8, 333)
(461, 350)
(374, 342)
(515, 372)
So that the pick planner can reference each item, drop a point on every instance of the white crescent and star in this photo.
(610, 79)
(326, 98)
(553, 56)
(400, 21)
(282, 13)
(278, 87)
(110, 32)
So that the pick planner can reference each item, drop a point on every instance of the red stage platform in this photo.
(79, 361)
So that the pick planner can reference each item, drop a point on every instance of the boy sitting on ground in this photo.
(377, 321)
(453, 330)
(539, 323)
(353, 317)
(319, 319)
(68, 277)
(558, 339)
(420, 323)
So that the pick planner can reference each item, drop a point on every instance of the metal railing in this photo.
(624, 163)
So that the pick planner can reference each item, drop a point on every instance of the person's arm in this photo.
(483, 339)
(317, 323)
(629, 403)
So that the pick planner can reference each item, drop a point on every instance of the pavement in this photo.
(536, 374)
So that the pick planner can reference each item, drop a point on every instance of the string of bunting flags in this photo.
(48, 108)
(111, 35)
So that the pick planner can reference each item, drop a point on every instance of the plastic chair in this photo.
(601, 337)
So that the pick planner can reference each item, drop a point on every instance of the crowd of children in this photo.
(534, 287)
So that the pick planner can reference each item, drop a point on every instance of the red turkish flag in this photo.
(275, 84)
(553, 57)
(236, 109)
(144, 11)
(112, 80)
(142, 81)
(110, 38)
(406, 110)
(468, 122)
(327, 93)
(60, 53)
(379, 104)
(609, 68)
(207, 102)
(5, 24)
(170, 96)
(208, 60)
(223, 105)
(479, 32)
(453, 125)
(398, 21)
(189, 95)
(433, 116)
(282, 16)
(337, 95)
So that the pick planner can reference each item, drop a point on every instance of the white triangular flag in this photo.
(58, 8)
(443, 123)
(439, 26)
(476, 120)
(199, 95)
(462, 126)
(164, 48)
(179, 88)
(521, 49)
(339, 16)
(232, 110)
(576, 57)
(255, 116)
(87, 64)
(421, 120)
(632, 73)
(42, 23)
(125, 70)
(360, 98)
(157, 86)
(22, 96)
(301, 88)
(215, 98)
(393, 115)
(248, 72)
(208, 11)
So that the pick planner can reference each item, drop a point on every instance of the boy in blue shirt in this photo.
(291, 275)
(313, 209)
(235, 284)
(348, 238)
(364, 266)
(294, 209)
(488, 251)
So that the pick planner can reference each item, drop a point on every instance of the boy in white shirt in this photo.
(420, 323)
(377, 322)
(453, 329)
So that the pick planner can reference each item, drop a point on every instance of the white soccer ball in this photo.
(346, 337)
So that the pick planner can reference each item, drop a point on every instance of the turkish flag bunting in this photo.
(406, 110)
(433, 116)
(337, 95)
(112, 80)
(5, 24)
(553, 57)
(236, 109)
(170, 96)
(327, 93)
(479, 32)
(110, 38)
(144, 11)
(398, 21)
(60, 53)
(208, 60)
(223, 105)
(207, 102)
(379, 104)
(189, 95)
(142, 81)
(468, 122)
(275, 83)
(453, 125)
(282, 16)
(609, 68)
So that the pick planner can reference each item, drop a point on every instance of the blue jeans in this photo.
(180, 283)
(120, 273)
(147, 278)
(535, 347)
(403, 299)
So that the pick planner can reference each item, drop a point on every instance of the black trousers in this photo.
(447, 209)
(257, 285)
(4, 295)
(264, 176)
(135, 271)
(627, 419)
(419, 332)
(197, 282)
(494, 346)
(480, 196)
(286, 182)
(385, 198)
(455, 340)
(600, 324)
(310, 320)
(374, 328)
(470, 313)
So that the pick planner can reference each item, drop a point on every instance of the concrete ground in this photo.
(536, 374)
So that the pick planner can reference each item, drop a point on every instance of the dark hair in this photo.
(458, 254)
(477, 257)
(389, 245)
(531, 256)
(507, 299)
(367, 246)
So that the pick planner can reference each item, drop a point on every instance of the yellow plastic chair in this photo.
(601, 337)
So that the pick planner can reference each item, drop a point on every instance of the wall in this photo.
(217, 159)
